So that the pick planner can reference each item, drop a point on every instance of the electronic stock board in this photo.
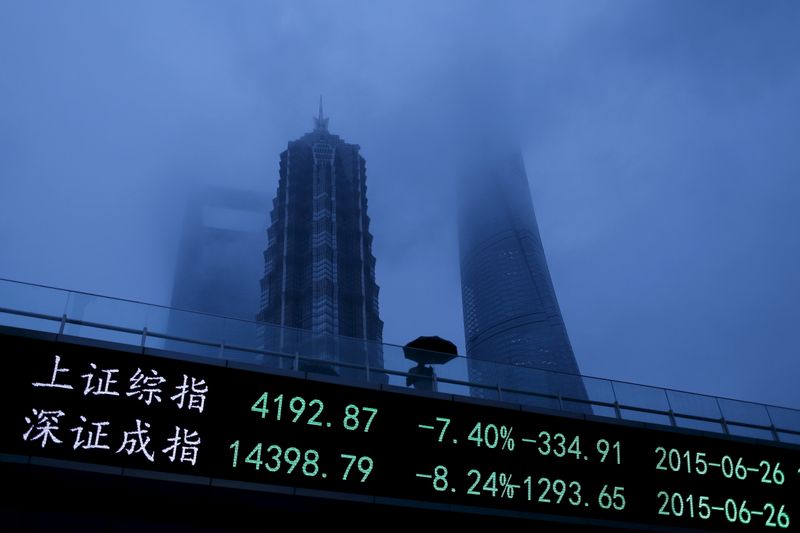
(103, 406)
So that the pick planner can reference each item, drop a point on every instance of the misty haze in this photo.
(658, 140)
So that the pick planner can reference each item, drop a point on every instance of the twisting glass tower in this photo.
(511, 315)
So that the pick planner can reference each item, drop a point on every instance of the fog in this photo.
(660, 140)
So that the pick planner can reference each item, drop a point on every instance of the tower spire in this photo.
(321, 122)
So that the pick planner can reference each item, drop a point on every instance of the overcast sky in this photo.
(660, 139)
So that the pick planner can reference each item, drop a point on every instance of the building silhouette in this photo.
(511, 315)
(218, 266)
(319, 284)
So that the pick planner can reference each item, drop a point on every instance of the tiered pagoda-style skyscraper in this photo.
(319, 273)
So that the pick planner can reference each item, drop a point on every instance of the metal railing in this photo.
(148, 326)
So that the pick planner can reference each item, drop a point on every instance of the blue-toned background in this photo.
(660, 140)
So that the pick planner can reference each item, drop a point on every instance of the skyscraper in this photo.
(511, 315)
(218, 266)
(319, 271)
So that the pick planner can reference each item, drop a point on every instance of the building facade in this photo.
(218, 267)
(511, 315)
(319, 271)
